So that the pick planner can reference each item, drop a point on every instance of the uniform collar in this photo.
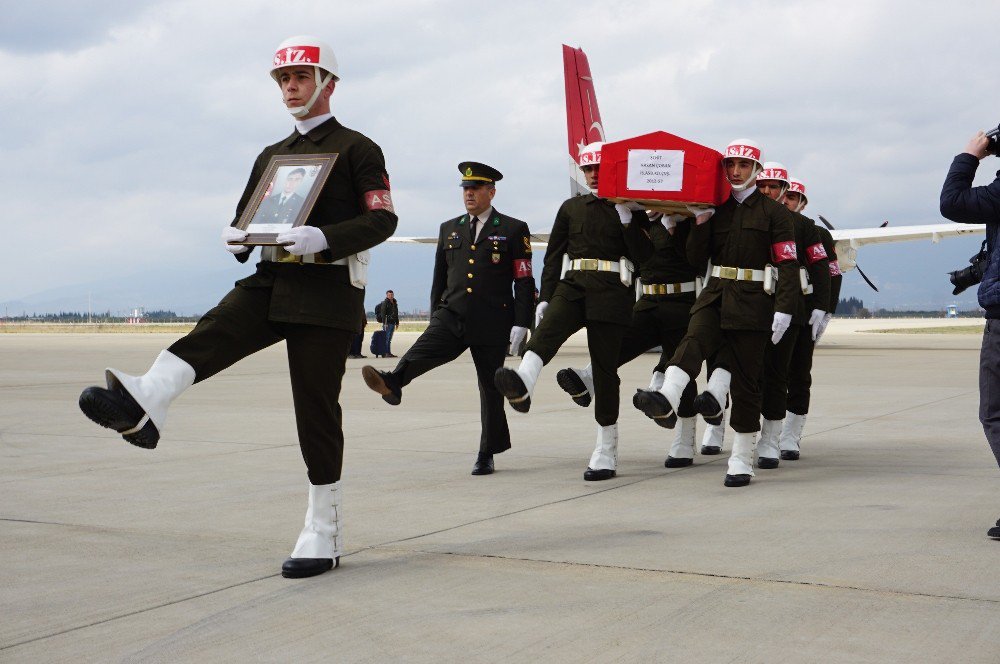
(315, 134)
(751, 199)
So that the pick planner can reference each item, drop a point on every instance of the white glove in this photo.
(669, 221)
(653, 215)
(779, 326)
(304, 240)
(233, 234)
(624, 213)
(517, 336)
(826, 321)
(816, 320)
(539, 312)
(701, 214)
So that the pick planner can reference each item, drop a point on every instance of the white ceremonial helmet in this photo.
(590, 154)
(799, 187)
(745, 148)
(773, 170)
(306, 50)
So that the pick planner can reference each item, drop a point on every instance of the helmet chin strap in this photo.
(299, 111)
(752, 180)
(801, 206)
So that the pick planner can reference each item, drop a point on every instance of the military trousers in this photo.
(658, 327)
(741, 352)
(564, 317)
(439, 344)
(800, 372)
(238, 327)
(777, 369)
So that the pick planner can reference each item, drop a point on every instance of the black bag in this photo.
(380, 344)
(378, 313)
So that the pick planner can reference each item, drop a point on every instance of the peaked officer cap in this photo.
(475, 174)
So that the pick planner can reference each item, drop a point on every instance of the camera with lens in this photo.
(973, 273)
(994, 136)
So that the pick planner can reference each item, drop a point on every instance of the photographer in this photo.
(962, 202)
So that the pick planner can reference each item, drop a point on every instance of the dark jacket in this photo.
(668, 265)
(962, 202)
(815, 258)
(836, 278)
(387, 312)
(472, 287)
(589, 227)
(351, 221)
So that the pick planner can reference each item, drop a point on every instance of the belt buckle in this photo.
(673, 289)
(729, 272)
(588, 263)
(747, 274)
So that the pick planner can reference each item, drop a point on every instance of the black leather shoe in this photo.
(767, 463)
(737, 480)
(592, 475)
(708, 407)
(656, 407)
(383, 382)
(573, 385)
(300, 568)
(483, 465)
(509, 384)
(116, 409)
(671, 462)
(711, 450)
(789, 455)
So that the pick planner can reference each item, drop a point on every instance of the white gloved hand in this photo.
(816, 319)
(826, 321)
(304, 240)
(233, 234)
(701, 214)
(539, 312)
(653, 215)
(624, 213)
(517, 336)
(670, 221)
(779, 326)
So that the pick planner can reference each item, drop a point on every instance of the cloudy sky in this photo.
(129, 128)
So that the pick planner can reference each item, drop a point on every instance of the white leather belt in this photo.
(668, 289)
(594, 264)
(279, 255)
(737, 273)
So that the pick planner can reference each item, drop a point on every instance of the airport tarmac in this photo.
(871, 548)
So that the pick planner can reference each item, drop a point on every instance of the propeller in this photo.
(858, 267)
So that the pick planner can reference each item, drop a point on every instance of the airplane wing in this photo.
(849, 240)
(538, 240)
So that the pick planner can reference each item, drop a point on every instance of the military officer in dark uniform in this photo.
(800, 373)
(586, 282)
(479, 256)
(283, 207)
(309, 294)
(659, 318)
(735, 315)
(807, 319)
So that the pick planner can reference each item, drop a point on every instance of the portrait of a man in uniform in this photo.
(282, 207)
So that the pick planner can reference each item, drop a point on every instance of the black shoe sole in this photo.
(572, 384)
(789, 455)
(656, 407)
(598, 475)
(710, 450)
(671, 462)
(112, 411)
(709, 409)
(510, 385)
(737, 480)
(767, 463)
(320, 565)
(376, 382)
(482, 471)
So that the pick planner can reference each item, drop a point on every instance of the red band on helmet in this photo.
(815, 253)
(783, 251)
(293, 55)
(835, 269)
(797, 187)
(743, 152)
(522, 267)
(379, 200)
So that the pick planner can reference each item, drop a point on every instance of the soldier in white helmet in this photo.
(747, 239)
(302, 293)
(586, 282)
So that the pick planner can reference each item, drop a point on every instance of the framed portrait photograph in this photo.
(284, 196)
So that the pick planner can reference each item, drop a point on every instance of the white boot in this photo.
(577, 383)
(155, 389)
(674, 382)
(509, 381)
(656, 382)
(529, 370)
(740, 468)
(682, 451)
(604, 461)
(718, 388)
(767, 448)
(791, 435)
(319, 546)
(661, 404)
(714, 439)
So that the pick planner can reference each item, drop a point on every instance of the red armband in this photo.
(783, 251)
(522, 268)
(379, 199)
(817, 252)
(835, 269)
